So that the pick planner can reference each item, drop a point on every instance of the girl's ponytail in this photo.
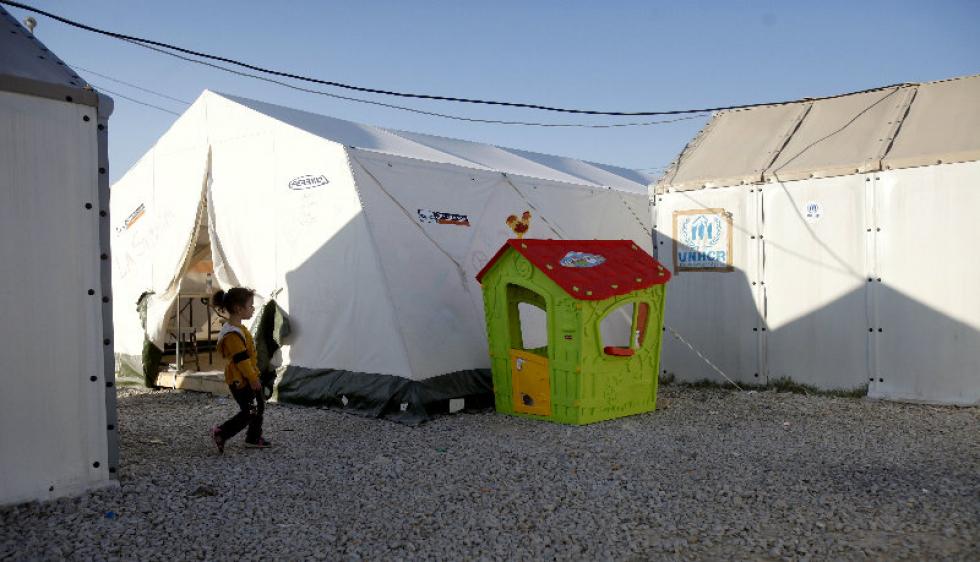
(232, 299)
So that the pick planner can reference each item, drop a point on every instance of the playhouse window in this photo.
(534, 327)
(529, 320)
(623, 330)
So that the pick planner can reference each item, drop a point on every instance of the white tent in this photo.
(368, 239)
(57, 401)
(838, 250)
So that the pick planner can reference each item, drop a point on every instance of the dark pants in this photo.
(252, 406)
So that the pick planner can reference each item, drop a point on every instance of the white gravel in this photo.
(713, 474)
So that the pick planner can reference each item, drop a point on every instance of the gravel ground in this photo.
(713, 474)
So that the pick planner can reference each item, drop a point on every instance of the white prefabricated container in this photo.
(825, 242)
(57, 405)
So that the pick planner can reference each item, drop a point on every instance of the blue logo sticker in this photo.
(582, 259)
(703, 240)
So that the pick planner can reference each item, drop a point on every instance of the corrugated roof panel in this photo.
(943, 125)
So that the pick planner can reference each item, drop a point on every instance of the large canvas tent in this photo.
(57, 401)
(368, 240)
(826, 242)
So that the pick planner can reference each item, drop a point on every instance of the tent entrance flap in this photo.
(192, 331)
(184, 326)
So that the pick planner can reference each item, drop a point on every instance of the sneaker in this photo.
(219, 441)
(262, 443)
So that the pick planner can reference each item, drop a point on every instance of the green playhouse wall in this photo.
(586, 384)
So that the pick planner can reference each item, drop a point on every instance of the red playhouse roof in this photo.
(589, 269)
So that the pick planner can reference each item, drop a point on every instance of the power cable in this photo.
(155, 93)
(404, 108)
(149, 91)
(134, 100)
(143, 41)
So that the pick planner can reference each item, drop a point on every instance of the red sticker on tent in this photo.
(438, 217)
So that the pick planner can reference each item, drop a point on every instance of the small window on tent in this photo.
(623, 330)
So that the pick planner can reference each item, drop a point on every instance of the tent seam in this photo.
(897, 129)
(692, 145)
(573, 185)
(788, 136)
(407, 213)
(377, 254)
(531, 205)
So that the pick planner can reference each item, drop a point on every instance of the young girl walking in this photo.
(235, 344)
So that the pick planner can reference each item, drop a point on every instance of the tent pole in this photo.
(177, 346)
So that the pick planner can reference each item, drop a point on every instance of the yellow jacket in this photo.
(235, 344)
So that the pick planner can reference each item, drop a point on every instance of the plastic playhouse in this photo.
(574, 328)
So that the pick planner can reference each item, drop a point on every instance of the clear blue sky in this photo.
(612, 55)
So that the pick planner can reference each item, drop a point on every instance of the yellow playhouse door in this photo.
(530, 383)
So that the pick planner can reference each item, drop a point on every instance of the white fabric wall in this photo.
(53, 416)
(426, 267)
(132, 266)
(431, 268)
(309, 248)
(148, 256)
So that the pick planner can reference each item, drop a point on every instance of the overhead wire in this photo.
(134, 100)
(185, 102)
(412, 109)
(394, 93)
(124, 83)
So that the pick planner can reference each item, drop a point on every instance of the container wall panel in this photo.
(53, 404)
(928, 304)
(816, 281)
(717, 312)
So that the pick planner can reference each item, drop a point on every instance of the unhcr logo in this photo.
(308, 182)
(813, 211)
(701, 230)
(703, 240)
